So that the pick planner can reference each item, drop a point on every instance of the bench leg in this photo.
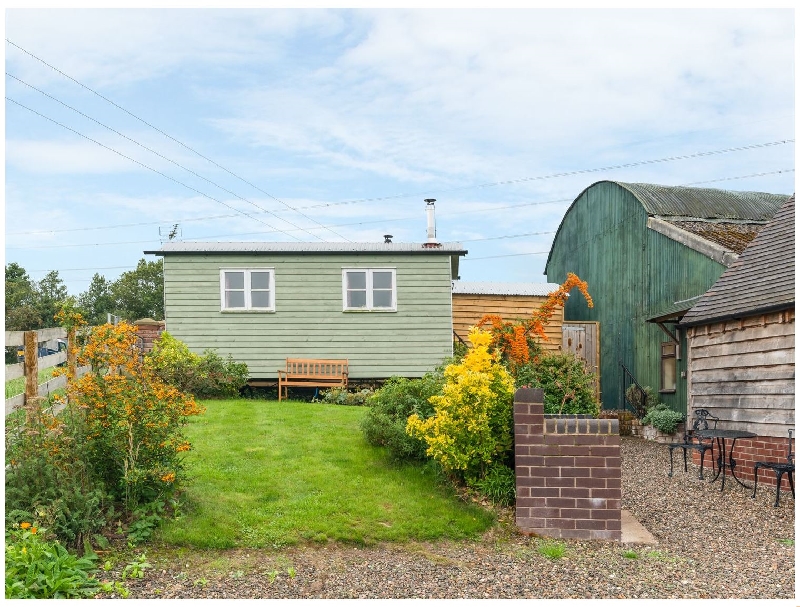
(778, 479)
(670, 461)
(790, 474)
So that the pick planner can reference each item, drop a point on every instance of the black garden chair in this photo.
(701, 420)
(780, 468)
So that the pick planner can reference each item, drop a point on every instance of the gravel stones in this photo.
(709, 545)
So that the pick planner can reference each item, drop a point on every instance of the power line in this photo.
(491, 208)
(152, 151)
(508, 255)
(131, 114)
(148, 167)
(626, 165)
(741, 177)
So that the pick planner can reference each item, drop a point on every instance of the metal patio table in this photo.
(721, 435)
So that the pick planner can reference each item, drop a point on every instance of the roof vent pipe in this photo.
(387, 239)
(430, 210)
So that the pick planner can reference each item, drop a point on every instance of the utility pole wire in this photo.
(149, 167)
(170, 137)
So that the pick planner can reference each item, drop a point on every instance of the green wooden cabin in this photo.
(648, 252)
(386, 307)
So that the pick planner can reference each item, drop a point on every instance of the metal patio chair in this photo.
(701, 420)
(780, 468)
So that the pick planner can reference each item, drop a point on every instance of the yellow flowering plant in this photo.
(472, 423)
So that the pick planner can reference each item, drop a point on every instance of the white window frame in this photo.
(248, 297)
(370, 306)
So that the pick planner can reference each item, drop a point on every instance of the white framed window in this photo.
(369, 289)
(247, 289)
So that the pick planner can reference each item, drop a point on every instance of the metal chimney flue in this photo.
(387, 239)
(430, 210)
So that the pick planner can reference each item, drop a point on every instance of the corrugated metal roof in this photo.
(705, 203)
(306, 247)
(761, 279)
(504, 288)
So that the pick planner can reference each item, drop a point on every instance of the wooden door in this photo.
(583, 340)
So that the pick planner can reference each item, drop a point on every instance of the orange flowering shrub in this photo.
(517, 341)
(133, 420)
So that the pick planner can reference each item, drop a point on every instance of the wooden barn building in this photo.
(648, 253)
(740, 338)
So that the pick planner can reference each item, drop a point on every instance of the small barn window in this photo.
(369, 289)
(246, 289)
(669, 366)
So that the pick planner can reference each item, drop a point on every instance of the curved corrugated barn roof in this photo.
(704, 203)
(699, 204)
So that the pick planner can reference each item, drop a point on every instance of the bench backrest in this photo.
(316, 367)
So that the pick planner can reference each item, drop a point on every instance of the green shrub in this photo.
(206, 376)
(499, 485)
(662, 418)
(39, 569)
(47, 474)
(342, 396)
(568, 387)
(640, 403)
(384, 425)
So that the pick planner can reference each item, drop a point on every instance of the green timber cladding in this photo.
(648, 252)
(308, 320)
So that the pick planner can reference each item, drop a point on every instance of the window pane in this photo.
(382, 280)
(234, 299)
(259, 280)
(260, 299)
(234, 280)
(382, 299)
(356, 299)
(668, 374)
(357, 280)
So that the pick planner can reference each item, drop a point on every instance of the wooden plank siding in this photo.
(743, 371)
(469, 308)
(308, 321)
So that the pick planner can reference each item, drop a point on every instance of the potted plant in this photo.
(661, 423)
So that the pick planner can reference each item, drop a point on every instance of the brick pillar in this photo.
(569, 478)
(148, 330)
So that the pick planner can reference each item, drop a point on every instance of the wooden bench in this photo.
(311, 372)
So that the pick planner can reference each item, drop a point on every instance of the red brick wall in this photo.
(569, 480)
(751, 450)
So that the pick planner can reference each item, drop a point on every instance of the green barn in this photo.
(386, 307)
(648, 252)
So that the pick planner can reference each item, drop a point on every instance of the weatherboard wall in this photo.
(469, 308)
(308, 321)
(633, 273)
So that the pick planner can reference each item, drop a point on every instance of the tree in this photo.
(50, 293)
(96, 302)
(21, 311)
(140, 292)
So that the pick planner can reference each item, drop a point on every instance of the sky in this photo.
(335, 125)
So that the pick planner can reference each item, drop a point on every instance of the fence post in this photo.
(72, 350)
(31, 365)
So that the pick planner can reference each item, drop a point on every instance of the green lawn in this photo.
(17, 386)
(268, 474)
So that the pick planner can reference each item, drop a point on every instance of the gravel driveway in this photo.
(709, 545)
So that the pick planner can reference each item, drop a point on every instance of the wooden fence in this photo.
(30, 367)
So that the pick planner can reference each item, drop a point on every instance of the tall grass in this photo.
(268, 474)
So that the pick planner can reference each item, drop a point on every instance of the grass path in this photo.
(264, 474)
